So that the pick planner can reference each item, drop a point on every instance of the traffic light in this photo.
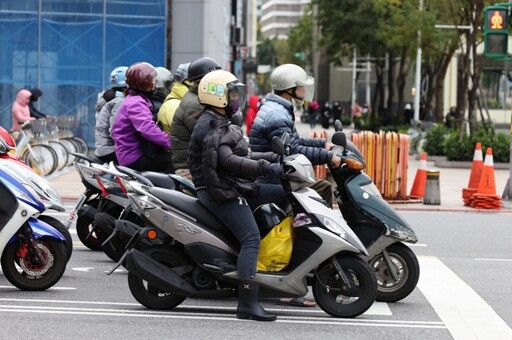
(496, 31)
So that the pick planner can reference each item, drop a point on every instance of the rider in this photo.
(21, 110)
(105, 150)
(164, 80)
(139, 143)
(291, 85)
(224, 174)
(187, 113)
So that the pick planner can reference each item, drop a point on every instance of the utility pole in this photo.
(418, 75)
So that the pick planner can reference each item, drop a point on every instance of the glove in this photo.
(274, 170)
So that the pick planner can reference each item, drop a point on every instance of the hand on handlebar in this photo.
(328, 145)
(336, 161)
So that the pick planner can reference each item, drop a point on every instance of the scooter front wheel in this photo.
(347, 294)
(406, 267)
(24, 270)
(147, 294)
(62, 229)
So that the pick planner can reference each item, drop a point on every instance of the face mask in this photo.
(232, 108)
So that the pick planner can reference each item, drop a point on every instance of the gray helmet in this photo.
(181, 72)
(164, 78)
(288, 76)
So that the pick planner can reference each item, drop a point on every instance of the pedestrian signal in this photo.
(496, 32)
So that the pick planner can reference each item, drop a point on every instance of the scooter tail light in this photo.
(120, 181)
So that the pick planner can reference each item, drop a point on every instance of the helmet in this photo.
(222, 89)
(289, 76)
(141, 76)
(199, 67)
(164, 78)
(6, 141)
(118, 77)
(267, 216)
(181, 72)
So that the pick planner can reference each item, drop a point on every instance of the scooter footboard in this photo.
(157, 274)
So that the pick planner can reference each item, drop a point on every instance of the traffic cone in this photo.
(476, 174)
(418, 186)
(476, 167)
(486, 197)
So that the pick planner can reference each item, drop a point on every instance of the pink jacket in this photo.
(20, 109)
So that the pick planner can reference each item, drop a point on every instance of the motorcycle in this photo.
(379, 227)
(28, 177)
(33, 254)
(104, 202)
(200, 261)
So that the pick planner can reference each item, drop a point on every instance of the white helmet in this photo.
(288, 76)
(164, 78)
(222, 89)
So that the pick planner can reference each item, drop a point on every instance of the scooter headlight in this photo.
(331, 225)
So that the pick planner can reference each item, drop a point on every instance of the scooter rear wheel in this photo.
(147, 294)
(406, 266)
(334, 297)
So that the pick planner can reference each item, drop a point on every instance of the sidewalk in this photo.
(451, 182)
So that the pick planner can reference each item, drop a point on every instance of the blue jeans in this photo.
(238, 218)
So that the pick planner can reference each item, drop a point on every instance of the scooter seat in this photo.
(190, 206)
(159, 179)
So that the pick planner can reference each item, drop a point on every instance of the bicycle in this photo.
(42, 131)
(40, 157)
(66, 124)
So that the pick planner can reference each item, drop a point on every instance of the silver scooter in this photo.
(200, 261)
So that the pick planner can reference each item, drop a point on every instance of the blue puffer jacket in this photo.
(274, 118)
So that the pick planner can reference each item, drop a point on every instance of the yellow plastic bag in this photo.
(276, 247)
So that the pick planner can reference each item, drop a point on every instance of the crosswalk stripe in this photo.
(463, 311)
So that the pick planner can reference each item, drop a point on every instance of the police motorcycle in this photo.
(379, 227)
(33, 252)
(201, 259)
(103, 202)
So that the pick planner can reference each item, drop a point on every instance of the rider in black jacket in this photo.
(224, 172)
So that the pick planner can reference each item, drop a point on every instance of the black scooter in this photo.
(379, 227)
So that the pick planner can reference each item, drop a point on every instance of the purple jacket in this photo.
(133, 122)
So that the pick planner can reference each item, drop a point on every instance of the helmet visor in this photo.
(236, 95)
(309, 88)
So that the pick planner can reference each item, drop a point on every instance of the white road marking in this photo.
(416, 244)
(463, 311)
(82, 269)
(497, 260)
(51, 288)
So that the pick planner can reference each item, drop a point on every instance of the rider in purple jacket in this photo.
(139, 143)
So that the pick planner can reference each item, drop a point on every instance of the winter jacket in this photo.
(35, 94)
(103, 128)
(183, 123)
(134, 122)
(170, 105)
(274, 118)
(218, 159)
(20, 109)
(250, 114)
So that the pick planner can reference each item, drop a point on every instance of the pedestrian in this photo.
(291, 85)
(357, 113)
(36, 93)
(224, 174)
(187, 113)
(408, 113)
(451, 118)
(173, 100)
(326, 115)
(104, 143)
(139, 143)
(313, 114)
(21, 110)
(252, 110)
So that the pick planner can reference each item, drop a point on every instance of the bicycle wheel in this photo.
(62, 154)
(83, 145)
(41, 158)
(70, 147)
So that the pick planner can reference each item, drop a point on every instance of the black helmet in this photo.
(199, 67)
(267, 216)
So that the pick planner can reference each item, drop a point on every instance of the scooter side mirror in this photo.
(277, 146)
(339, 138)
(338, 126)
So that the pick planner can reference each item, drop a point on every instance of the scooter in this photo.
(33, 255)
(201, 259)
(379, 227)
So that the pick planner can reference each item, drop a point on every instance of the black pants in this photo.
(162, 162)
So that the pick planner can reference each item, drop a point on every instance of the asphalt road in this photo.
(463, 293)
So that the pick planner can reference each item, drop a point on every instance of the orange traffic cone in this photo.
(476, 167)
(476, 174)
(418, 186)
(486, 197)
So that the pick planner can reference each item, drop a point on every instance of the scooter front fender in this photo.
(40, 229)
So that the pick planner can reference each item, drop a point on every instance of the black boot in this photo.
(248, 304)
